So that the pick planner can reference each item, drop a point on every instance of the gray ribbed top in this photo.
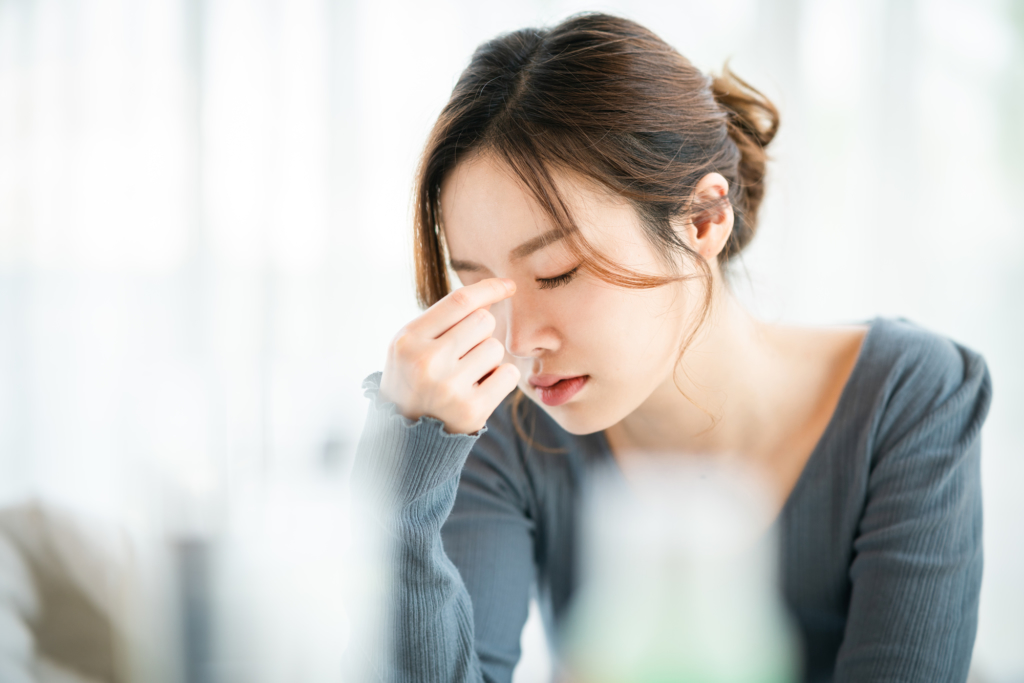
(880, 538)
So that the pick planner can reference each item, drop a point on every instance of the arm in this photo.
(411, 470)
(490, 536)
(916, 572)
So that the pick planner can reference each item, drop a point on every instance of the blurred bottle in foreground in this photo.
(679, 581)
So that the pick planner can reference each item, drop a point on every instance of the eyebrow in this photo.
(522, 251)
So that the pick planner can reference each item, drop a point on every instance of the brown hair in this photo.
(606, 99)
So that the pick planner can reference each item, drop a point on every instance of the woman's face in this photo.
(615, 345)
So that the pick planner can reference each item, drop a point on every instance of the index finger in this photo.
(447, 312)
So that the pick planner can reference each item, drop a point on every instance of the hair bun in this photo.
(748, 108)
(753, 122)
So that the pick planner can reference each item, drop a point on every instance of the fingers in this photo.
(499, 385)
(446, 364)
(482, 359)
(467, 333)
(447, 312)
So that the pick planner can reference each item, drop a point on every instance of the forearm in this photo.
(407, 473)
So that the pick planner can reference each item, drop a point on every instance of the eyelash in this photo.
(559, 280)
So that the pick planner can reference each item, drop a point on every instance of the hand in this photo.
(446, 364)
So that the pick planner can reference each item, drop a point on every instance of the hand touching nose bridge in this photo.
(500, 311)
(513, 331)
(445, 364)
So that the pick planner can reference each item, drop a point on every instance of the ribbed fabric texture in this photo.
(407, 473)
(880, 539)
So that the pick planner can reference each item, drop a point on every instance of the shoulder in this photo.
(916, 518)
(911, 375)
(915, 356)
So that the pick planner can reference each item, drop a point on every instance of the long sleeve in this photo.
(917, 565)
(411, 473)
(490, 536)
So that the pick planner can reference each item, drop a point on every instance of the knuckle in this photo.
(460, 298)
(507, 376)
(399, 345)
(494, 347)
(403, 345)
(486, 317)
(423, 366)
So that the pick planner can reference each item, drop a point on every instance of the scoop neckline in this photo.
(844, 398)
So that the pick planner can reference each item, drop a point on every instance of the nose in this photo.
(524, 325)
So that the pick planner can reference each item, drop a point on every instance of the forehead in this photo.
(486, 209)
(483, 203)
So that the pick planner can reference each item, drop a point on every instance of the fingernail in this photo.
(510, 285)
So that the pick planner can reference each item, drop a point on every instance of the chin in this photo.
(578, 418)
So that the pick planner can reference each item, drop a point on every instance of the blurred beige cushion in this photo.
(61, 582)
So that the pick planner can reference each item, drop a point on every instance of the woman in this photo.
(589, 187)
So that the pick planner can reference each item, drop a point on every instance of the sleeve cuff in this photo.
(399, 460)
(371, 390)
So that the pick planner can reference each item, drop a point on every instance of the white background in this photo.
(205, 233)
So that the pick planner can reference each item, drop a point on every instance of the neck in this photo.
(715, 403)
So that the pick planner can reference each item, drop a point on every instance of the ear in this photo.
(708, 231)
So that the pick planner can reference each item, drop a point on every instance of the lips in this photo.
(555, 390)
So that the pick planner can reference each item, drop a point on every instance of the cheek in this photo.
(630, 333)
(609, 329)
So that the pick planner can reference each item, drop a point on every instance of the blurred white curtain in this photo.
(173, 187)
(204, 219)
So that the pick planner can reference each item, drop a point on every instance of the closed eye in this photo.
(558, 280)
